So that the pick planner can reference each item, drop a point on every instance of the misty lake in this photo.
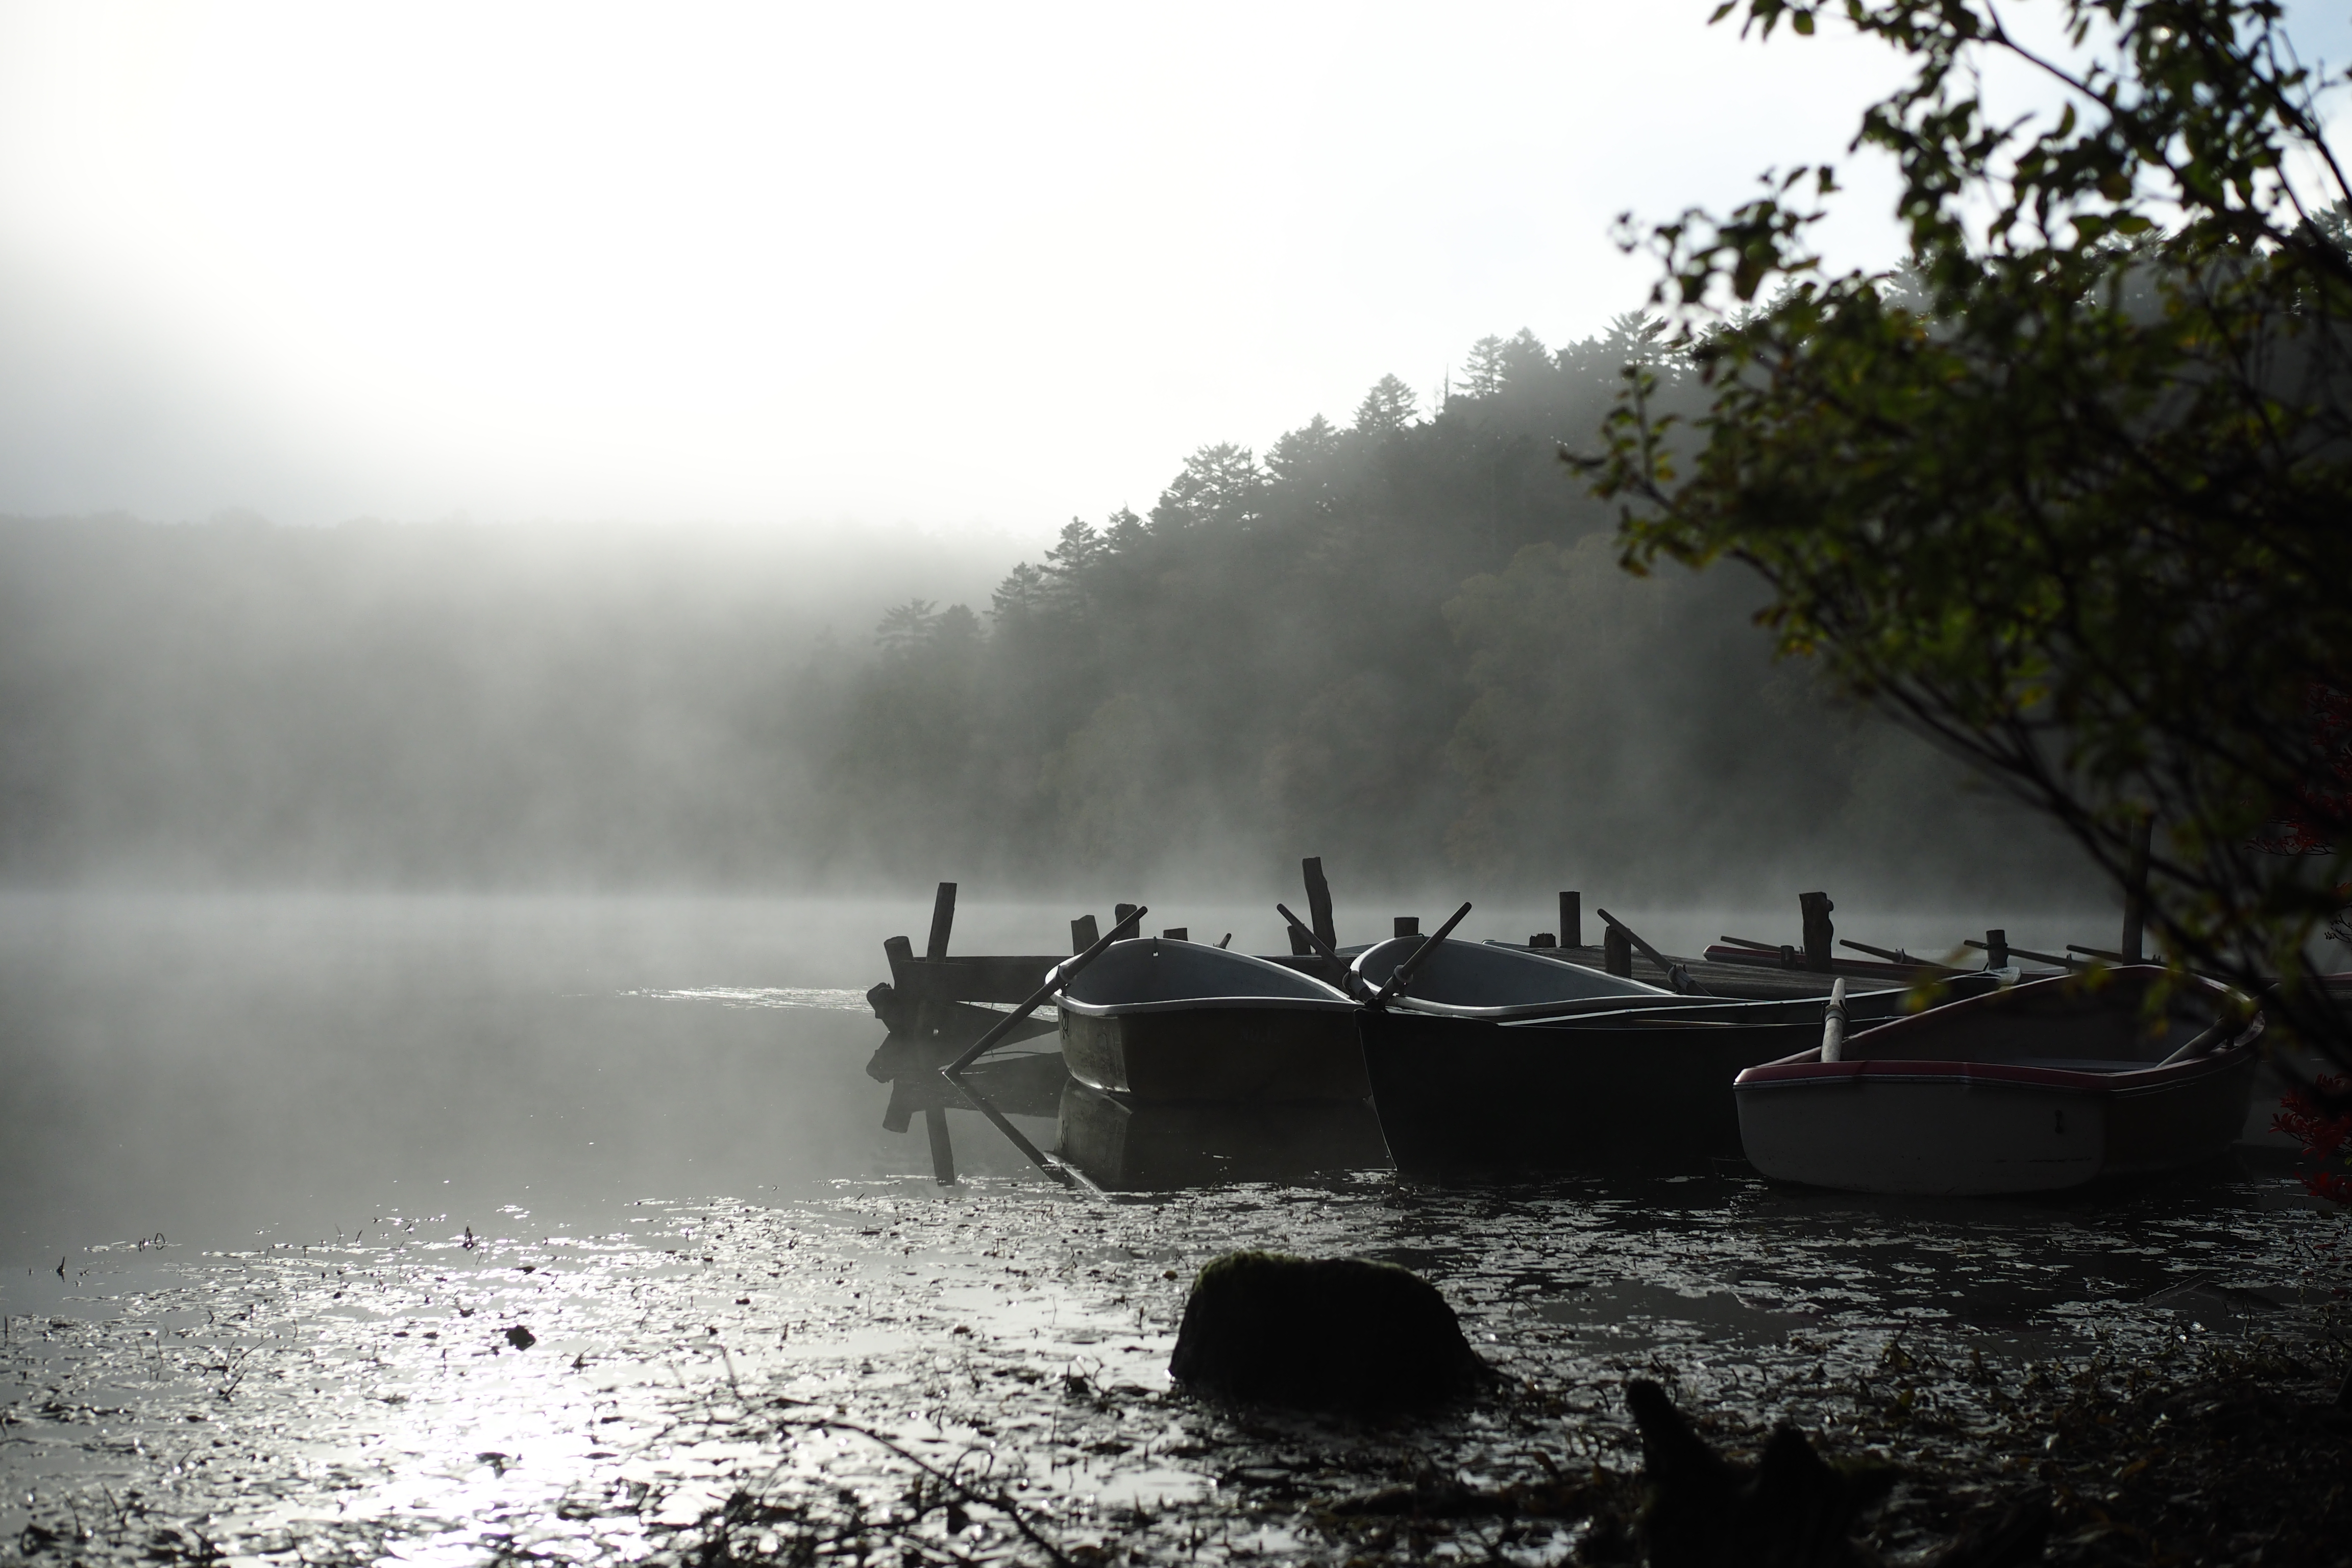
(449, 1229)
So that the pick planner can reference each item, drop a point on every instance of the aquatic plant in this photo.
(2319, 1115)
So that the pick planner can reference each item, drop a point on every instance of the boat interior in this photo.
(1160, 972)
(2070, 1023)
(1481, 980)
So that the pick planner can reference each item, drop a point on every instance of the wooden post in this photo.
(1318, 900)
(1083, 934)
(942, 921)
(1299, 946)
(2135, 890)
(1572, 920)
(935, 1122)
(1408, 925)
(1543, 939)
(1997, 949)
(1177, 933)
(1616, 952)
(1120, 914)
(1820, 936)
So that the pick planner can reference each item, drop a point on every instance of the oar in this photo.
(2017, 951)
(1018, 1140)
(1303, 929)
(1676, 976)
(1402, 975)
(2218, 1030)
(1061, 974)
(1834, 1023)
(1897, 955)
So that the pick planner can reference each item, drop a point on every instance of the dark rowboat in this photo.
(1583, 1089)
(1157, 1020)
(1484, 980)
(2050, 1085)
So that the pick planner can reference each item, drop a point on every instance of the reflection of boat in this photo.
(1019, 1083)
(1585, 1088)
(1161, 1020)
(1485, 979)
(2050, 1085)
(1124, 1146)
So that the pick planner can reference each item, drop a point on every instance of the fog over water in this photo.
(230, 1070)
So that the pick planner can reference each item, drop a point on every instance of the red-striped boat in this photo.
(2047, 1085)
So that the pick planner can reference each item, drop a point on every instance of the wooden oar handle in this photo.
(1303, 929)
(1403, 972)
(1061, 974)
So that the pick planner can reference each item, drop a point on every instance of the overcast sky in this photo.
(789, 265)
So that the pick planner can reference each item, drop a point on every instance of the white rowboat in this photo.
(2048, 1085)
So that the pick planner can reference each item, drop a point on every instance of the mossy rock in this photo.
(1335, 1333)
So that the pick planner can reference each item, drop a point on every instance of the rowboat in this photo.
(1587, 1087)
(2049, 1085)
(1159, 1020)
(1122, 1146)
(1488, 980)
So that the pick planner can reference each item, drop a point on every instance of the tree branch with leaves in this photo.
(2070, 490)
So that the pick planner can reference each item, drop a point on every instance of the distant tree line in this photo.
(1404, 643)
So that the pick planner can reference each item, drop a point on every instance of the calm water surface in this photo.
(536, 1226)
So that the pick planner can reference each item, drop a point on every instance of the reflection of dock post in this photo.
(935, 1122)
(935, 1117)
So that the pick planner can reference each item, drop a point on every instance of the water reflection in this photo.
(212, 1068)
(1109, 1142)
(1140, 1148)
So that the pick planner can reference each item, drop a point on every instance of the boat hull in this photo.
(1231, 1052)
(1967, 1130)
(1464, 1097)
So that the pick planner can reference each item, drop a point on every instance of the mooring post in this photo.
(1997, 949)
(1572, 920)
(1083, 934)
(1318, 900)
(942, 921)
(2136, 890)
(1820, 936)
(1616, 952)
(1408, 925)
(1177, 933)
(935, 1122)
(1300, 947)
(907, 992)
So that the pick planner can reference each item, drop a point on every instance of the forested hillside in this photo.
(1402, 642)
(1406, 642)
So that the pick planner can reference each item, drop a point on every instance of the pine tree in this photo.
(1388, 408)
(1484, 374)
